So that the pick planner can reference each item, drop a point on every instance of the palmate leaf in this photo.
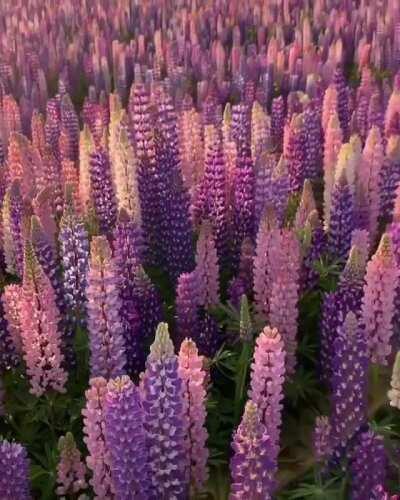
(333, 489)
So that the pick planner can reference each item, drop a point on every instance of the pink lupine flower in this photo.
(267, 377)
(262, 278)
(71, 471)
(394, 393)
(11, 299)
(306, 206)
(98, 460)
(207, 267)
(333, 143)
(193, 376)
(369, 178)
(330, 106)
(41, 338)
(378, 303)
(107, 354)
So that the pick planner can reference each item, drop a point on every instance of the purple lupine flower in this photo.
(336, 306)
(314, 141)
(99, 458)
(277, 121)
(253, 465)
(341, 223)
(295, 153)
(263, 193)
(107, 355)
(316, 249)
(143, 138)
(126, 440)
(267, 377)
(128, 251)
(14, 476)
(378, 310)
(367, 464)
(177, 232)
(342, 101)
(187, 307)
(9, 354)
(390, 177)
(242, 284)
(165, 419)
(349, 384)
(74, 251)
(70, 126)
(102, 190)
(149, 304)
(210, 200)
(280, 189)
(210, 336)
(243, 203)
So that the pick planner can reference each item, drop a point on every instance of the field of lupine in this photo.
(200, 249)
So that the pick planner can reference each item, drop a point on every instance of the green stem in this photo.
(241, 379)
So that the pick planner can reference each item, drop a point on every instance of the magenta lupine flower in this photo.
(165, 419)
(41, 338)
(107, 355)
(99, 458)
(349, 384)
(193, 376)
(378, 303)
(267, 378)
(253, 465)
(336, 306)
(126, 440)
(71, 470)
(367, 464)
(102, 190)
(14, 475)
(369, 179)
(207, 268)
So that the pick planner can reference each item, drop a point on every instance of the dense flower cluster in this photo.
(199, 227)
